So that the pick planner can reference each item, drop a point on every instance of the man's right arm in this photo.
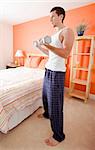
(45, 51)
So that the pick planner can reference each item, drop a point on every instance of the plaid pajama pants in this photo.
(53, 99)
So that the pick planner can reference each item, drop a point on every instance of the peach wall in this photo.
(83, 14)
(24, 34)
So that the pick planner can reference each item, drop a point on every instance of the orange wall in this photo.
(24, 34)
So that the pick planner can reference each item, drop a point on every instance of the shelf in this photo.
(80, 68)
(78, 81)
(78, 94)
(84, 37)
(88, 54)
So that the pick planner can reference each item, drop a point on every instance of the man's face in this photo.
(55, 19)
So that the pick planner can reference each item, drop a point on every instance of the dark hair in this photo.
(59, 11)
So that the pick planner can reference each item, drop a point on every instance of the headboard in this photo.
(35, 60)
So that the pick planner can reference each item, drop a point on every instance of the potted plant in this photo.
(80, 29)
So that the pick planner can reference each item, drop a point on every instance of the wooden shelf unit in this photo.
(76, 67)
(78, 94)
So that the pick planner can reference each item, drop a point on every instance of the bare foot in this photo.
(40, 116)
(51, 141)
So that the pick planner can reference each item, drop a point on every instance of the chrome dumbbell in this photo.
(45, 40)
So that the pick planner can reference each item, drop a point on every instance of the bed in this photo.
(20, 93)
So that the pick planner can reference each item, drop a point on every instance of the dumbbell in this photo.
(45, 40)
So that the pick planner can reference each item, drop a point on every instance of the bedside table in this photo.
(11, 65)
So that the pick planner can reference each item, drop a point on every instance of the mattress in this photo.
(19, 87)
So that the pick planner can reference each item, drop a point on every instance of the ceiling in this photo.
(19, 11)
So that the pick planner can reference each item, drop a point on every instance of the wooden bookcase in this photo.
(81, 66)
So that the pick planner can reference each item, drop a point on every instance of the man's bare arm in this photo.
(45, 51)
(58, 51)
(68, 39)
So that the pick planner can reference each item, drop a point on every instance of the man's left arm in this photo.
(68, 39)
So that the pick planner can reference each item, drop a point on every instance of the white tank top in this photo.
(55, 62)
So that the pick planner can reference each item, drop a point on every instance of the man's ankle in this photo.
(45, 115)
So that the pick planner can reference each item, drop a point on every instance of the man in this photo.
(53, 86)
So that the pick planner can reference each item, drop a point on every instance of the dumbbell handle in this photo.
(36, 43)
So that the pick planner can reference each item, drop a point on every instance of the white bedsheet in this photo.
(20, 74)
(18, 82)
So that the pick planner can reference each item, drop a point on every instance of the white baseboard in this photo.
(91, 96)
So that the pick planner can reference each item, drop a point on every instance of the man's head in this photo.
(57, 15)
